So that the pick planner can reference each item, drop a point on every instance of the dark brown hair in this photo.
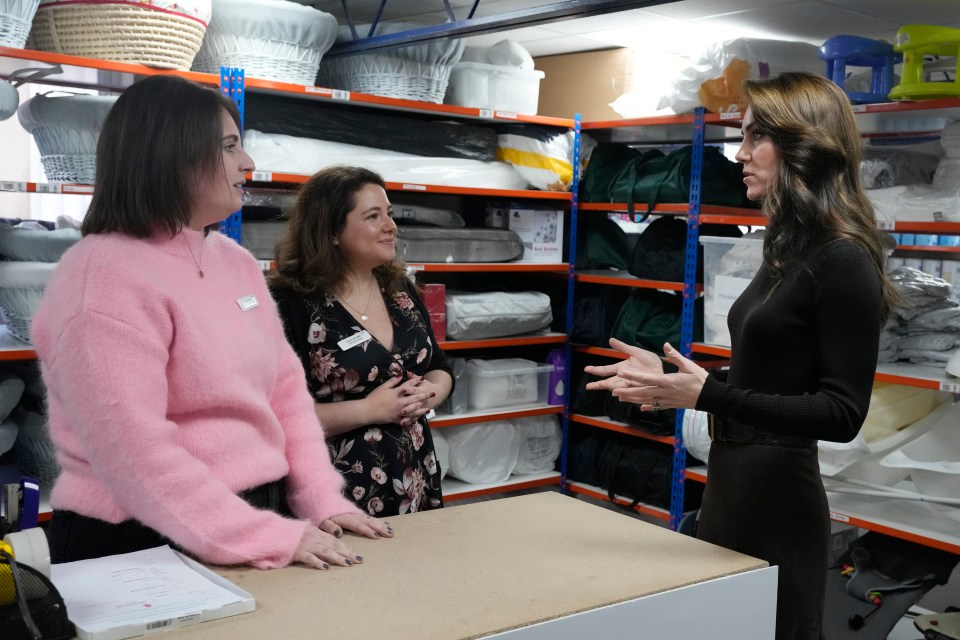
(816, 195)
(308, 261)
(162, 132)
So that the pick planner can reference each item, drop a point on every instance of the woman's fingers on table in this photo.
(364, 525)
(320, 549)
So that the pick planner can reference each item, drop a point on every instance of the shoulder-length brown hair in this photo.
(816, 195)
(308, 262)
(161, 133)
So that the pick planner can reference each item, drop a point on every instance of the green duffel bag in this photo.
(649, 318)
(601, 243)
(606, 163)
(652, 180)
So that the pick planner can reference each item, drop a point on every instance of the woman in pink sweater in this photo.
(178, 410)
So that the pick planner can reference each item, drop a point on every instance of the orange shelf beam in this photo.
(473, 267)
(932, 249)
(45, 187)
(601, 351)
(513, 486)
(895, 533)
(653, 512)
(276, 177)
(696, 476)
(928, 227)
(621, 428)
(632, 282)
(713, 350)
(907, 381)
(453, 421)
(12, 355)
(521, 341)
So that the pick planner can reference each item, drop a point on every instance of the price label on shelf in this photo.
(340, 94)
(950, 387)
(265, 265)
(13, 186)
(262, 176)
(886, 225)
(839, 517)
(414, 187)
(77, 188)
(506, 115)
(48, 188)
(415, 267)
(858, 108)
(322, 91)
(486, 113)
(730, 115)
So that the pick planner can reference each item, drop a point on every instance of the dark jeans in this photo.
(76, 537)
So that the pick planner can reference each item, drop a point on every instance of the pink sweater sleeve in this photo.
(112, 376)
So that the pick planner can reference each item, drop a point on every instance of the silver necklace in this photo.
(195, 261)
(363, 314)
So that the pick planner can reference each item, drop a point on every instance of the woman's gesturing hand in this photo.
(654, 391)
(637, 359)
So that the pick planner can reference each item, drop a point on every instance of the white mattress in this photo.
(288, 154)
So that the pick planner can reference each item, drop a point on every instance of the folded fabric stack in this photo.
(917, 202)
(927, 328)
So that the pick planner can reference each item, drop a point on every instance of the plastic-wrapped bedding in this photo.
(431, 244)
(478, 316)
(288, 154)
(296, 117)
(415, 214)
(35, 245)
(260, 237)
(287, 47)
(884, 167)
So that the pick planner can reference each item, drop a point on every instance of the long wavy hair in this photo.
(817, 195)
(308, 261)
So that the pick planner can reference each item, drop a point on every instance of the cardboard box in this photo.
(584, 83)
(541, 232)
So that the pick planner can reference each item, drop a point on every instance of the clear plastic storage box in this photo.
(506, 382)
(489, 86)
(729, 265)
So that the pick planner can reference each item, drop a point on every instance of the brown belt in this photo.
(726, 430)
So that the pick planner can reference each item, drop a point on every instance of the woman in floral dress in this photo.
(364, 338)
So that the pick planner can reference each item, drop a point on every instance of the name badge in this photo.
(248, 302)
(354, 340)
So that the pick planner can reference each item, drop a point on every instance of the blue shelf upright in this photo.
(232, 85)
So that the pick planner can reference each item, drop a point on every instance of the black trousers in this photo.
(76, 537)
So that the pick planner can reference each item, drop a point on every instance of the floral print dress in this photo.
(388, 469)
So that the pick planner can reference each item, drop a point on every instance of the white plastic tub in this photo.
(488, 86)
(729, 265)
(506, 382)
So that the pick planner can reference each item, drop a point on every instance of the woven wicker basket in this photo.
(15, 19)
(21, 289)
(119, 32)
(384, 76)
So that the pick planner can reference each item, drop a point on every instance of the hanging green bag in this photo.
(652, 180)
(649, 318)
(607, 162)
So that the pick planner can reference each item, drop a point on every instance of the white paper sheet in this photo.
(150, 589)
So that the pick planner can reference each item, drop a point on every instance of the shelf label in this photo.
(265, 265)
(839, 517)
(340, 94)
(262, 176)
(938, 216)
(506, 115)
(48, 188)
(77, 188)
(323, 91)
(413, 268)
(414, 187)
(486, 113)
(730, 115)
(858, 108)
(13, 186)
(886, 225)
(951, 387)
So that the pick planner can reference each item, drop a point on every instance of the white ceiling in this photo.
(678, 27)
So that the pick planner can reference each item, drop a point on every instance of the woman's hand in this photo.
(397, 401)
(654, 391)
(319, 549)
(359, 523)
(637, 359)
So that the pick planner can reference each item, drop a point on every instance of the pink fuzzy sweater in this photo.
(166, 399)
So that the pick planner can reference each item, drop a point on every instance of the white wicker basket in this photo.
(414, 72)
(66, 129)
(36, 455)
(21, 289)
(15, 19)
(286, 48)
(118, 31)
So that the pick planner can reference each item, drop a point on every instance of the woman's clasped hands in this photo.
(399, 401)
(640, 378)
